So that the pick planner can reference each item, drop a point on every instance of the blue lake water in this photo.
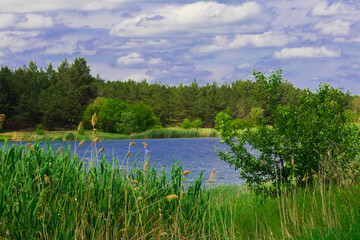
(195, 154)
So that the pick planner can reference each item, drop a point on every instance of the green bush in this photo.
(39, 129)
(197, 123)
(69, 136)
(298, 141)
(186, 124)
(127, 124)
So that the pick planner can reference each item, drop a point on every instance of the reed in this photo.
(54, 194)
(179, 133)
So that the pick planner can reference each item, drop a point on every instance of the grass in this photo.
(88, 135)
(54, 194)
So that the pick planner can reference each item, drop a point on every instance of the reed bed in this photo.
(179, 133)
(55, 195)
(88, 135)
(52, 194)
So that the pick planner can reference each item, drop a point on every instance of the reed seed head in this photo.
(139, 198)
(128, 154)
(2, 120)
(145, 144)
(50, 164)
(47, 179)
(28, 145)
(101, 150)
(32, 148)
(94, 120)
(171, 197)
(136, 188)
(59, 150)
(163, 234)
(81, 143)
(132, 144)
(133, 181)
(213, 176)
(97, 140)
(146, 164)
(94, 132)
(80, 126)
(186, 173)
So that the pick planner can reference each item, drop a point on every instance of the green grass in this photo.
(179, 133)
(44, 194)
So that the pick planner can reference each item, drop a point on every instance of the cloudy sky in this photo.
(313, 41)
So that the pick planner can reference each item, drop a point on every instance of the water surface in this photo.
(195, 154)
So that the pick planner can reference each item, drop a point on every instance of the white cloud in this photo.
(155, 61)
(336, 28)
(337, 8)
(146, 43)
(6, 20)
(19, 41)
(135, 58)
(267, 39)
(244, 66)
(306, 52)
(24, 6)
(68, 44)
(36, 21)
(138, 77)
(198, 17)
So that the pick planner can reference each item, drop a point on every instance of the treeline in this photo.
(62, 97)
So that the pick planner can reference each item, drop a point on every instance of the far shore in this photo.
(71, 135)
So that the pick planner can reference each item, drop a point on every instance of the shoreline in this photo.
(32, 136)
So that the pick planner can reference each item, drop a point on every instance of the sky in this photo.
(312, 41)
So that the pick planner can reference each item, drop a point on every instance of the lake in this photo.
(195, 154)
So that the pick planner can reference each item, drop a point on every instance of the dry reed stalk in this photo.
(2, 120)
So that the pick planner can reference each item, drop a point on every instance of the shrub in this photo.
(186, 124)
(197, 123)
(127, 123)
(145, 116)
(69, 136)
(300, 137)
(40, 129)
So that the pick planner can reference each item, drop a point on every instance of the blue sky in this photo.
(177, 41)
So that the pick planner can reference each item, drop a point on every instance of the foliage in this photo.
(93, 202)
(92, 108)
(197, 123)
(186, 124)
(40, 129)
(108, 201)
(128, 123)
(300, 136)
(145, 117)
(110, 114)
(69, 136)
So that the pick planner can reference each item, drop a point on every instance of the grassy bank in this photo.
(54, 194)
(88, 135)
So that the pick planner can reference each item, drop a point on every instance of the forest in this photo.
(61, 98)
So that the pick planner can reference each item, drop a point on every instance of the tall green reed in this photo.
(45, 194)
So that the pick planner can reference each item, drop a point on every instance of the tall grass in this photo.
(88, 135)
(179, 133)
(54, 194)
(45, 194)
